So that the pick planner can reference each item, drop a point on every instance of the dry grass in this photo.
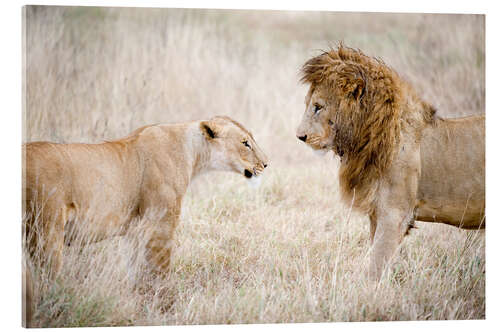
(289, 251)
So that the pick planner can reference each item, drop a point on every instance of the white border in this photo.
(423, 6)
(11, 138)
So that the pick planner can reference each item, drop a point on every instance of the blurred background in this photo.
(97, 73)
(290, 251)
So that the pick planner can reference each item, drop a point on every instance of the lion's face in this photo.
(233, 148)
(316, 127)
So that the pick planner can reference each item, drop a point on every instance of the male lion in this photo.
(399, 162)
(101, 190)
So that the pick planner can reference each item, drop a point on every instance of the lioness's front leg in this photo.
(159, 236)
(159, 250)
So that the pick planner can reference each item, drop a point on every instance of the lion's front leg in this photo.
(389, 232)
(394, 211)
(386, 239)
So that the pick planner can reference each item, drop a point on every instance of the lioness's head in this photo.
(233, 148)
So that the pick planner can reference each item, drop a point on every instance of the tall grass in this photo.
(289, 251)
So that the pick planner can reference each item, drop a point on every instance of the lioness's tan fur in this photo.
(399, 161)
(100, 190)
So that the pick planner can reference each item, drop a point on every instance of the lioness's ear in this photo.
(208, 130)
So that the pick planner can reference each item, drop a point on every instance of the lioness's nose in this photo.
(302, 138)
(265, 165)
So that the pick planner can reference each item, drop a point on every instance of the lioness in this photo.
(101, 189)
(399, 161)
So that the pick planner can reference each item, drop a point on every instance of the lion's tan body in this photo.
(99, 190)
(452, 182)
(399, 162)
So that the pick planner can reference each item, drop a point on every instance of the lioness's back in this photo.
(43, 170)
(79, 173)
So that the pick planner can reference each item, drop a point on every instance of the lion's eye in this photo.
(317, 107)
(247, 144)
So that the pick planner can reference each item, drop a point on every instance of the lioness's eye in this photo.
(247, 144)
(317, 107)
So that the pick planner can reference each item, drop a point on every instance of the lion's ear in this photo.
(354, 83)
(359, 88)
(355, 88)
(208, 130)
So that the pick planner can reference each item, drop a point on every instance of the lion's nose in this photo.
(265, 165)
(302, 138)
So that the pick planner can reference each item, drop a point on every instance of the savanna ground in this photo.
(288, 251)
